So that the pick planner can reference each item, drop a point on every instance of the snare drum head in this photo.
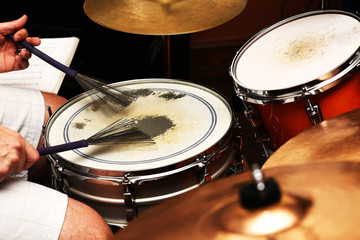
(183, 119)
(297, 51)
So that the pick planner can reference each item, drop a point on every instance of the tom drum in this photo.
(298, 73)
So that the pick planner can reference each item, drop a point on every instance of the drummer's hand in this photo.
(16, 154)
(13, 57)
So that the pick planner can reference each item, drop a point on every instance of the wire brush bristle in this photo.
(114, 98)
(123, 131)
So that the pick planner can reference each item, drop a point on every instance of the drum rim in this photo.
(291, 94)
(224, 140)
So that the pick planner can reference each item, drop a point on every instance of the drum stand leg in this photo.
(260, 132)
(239, 162)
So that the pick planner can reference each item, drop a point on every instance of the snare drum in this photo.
(299, 72)
(194, 142)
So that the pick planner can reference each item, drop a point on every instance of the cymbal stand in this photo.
(167, 55)
(324, 4)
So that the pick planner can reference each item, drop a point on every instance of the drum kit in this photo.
(298, 83)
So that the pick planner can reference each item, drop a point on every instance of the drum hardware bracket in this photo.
(48, 109)
(60, 181)
(212, 156)
(314, 112)
(356, 59)
(130, 207)
(238, 166)
(204, 175)
(66, 187)
(260, 132)
(238, 163)
(56, 179)
(58, 176)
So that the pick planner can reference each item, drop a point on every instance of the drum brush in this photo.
(122, 132)
(113, 97)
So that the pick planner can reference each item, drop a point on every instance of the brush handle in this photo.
(63, 147)
(45, 57)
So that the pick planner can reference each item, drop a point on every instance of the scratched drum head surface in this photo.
(301, 49)
(193, 118)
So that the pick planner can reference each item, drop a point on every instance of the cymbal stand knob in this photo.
(261, 192)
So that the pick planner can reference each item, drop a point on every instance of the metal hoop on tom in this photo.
(193, 128)
(299, 72)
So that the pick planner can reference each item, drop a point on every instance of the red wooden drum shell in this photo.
(285, 121)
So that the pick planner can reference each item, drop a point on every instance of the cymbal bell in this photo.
(162, 17)
(335, 139)
(319, 201)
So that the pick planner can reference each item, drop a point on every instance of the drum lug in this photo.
(239, 93)
(356, 58)
(129, 199)
(314, 112)
(204, 175)
(56, 178)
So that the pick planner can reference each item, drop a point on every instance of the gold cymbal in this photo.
(162, 17)
(319, 201)
(335, 139)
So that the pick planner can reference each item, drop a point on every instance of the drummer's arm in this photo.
(16, 154)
